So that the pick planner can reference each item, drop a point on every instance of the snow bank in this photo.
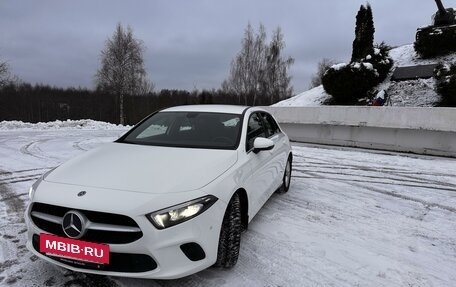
(61, 125)
(406, 56)
(339, 66)
(311, 98)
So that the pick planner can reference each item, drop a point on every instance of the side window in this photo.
(271, 125)
(254, 129)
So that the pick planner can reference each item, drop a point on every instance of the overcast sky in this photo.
(189, 43)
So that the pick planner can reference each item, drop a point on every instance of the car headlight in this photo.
(176, 214)
(35, 185)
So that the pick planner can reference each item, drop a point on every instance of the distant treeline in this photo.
(42, 103)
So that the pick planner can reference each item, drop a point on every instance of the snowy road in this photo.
(351, 218)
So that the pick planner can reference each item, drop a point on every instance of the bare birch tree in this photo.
(4, 74)
(277, 83)
(322, 67)
(247, 68)
(122, 69)
(259, 70)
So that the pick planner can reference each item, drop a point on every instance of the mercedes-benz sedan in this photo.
(168, 199)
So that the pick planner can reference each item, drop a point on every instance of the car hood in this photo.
(147, 169)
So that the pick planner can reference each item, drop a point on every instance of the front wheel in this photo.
(230, 235)
(286, 177)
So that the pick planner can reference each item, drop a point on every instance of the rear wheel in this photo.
(286, 177)
(230, 235)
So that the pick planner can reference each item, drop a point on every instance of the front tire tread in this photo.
(230, 235)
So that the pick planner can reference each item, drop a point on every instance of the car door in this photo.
(261, 180)
(280, 150)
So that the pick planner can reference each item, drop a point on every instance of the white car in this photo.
(167, 199)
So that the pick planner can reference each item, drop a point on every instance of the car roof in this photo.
(229, 109)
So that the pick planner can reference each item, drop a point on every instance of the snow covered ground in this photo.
(312, 98)
(59, 125)
(406, 56)
(413, 93)
(351, 218)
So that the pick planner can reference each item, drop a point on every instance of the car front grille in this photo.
(106, 227)
(119, 262)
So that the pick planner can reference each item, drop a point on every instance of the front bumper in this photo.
(163, 246)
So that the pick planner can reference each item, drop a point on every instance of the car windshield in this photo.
(188, 129)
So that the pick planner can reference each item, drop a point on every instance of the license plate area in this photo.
(73, 249)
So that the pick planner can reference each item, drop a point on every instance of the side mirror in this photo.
(262, 144)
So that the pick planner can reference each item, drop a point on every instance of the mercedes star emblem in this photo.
(74, 224)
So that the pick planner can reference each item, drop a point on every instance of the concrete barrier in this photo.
(430, 131)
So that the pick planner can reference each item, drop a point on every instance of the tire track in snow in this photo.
(403, 174)
(22, 178)
(36, 150)
(14, 204)
(406, 197)
(415, 182)
(77, 279)
(368, 167)
(23, 170)
(33, 149)
(380, 169)
(257, 266)
(194, 280)
(25, 149)
(77, 145)
(358, 182)
(7, 177)
(365, 175)
(389, 180)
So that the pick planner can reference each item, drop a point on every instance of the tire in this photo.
(286, 177)
(230, 235)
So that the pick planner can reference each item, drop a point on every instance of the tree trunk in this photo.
(122, 114)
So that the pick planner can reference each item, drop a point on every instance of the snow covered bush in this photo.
(445, 76)
(349, 82)
(381, 60)
(433, 41)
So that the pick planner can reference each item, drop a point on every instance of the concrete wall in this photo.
(429, 131)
